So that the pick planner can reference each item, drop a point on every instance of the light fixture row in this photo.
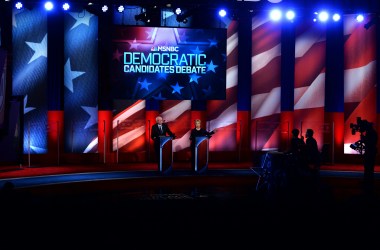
(275, 14)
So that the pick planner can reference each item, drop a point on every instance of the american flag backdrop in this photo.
(309, 82)
(359, 76)
(128, 127)
(29, 74)
(222, 114)
(266, 83)
(81, 81)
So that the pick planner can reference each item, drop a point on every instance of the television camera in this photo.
(361, 126)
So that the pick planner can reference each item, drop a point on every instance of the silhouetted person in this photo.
(159, 129)
(195, 132)
(296, 162)
(313, 156)
(369, 139)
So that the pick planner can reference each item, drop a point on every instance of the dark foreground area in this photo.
(191, 212)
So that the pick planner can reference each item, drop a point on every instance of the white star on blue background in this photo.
(26, 110)
(81, 18)
(93, 112)
(70, 76)
(40, 49)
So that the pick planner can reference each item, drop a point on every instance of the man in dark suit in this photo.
(157, 130)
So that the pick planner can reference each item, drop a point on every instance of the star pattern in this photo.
(93, 112)
(145, 84)
(134, 44)
(176, 88)
(81, 18)
(40, 49)
(194, 78)
(197, 51)
(211, 67)
(27, 110)
(70, 76)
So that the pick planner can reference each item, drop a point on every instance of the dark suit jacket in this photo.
(155, 131)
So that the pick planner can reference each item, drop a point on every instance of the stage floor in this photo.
(136, 207)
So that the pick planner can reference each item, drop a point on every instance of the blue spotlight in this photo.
(323, 16)
(104, 8)
(49, 6)
(290, 15)
(65, 6)
(120, 8)
(275, 15)
(222, 13)
(18, 5)
(178, 11)
(336, 17)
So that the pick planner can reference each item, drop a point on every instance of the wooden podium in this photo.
(166, 154)
(201, 153)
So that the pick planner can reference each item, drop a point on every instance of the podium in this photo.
(201, 153)
(165, 160)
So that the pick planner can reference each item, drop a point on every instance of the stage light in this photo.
(323, 16)
(275, 15)
(359, 18)
(178, 11)
(336, 17)
(49, 6)
(290, 15)
(65, 6)
(120, 8)
(222, 13)
(18, 5)
(104, 8)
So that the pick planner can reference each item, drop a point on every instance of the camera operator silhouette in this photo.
(366, 146)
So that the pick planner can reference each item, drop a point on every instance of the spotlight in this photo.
(323, 16)
(222, 13)
(18, 5)
(120, 8)
(336, 17)
(360, 18)
(178, 11)
(65, 6)
(49, 6)
(290, 15)
(104, 8)
(275, 15)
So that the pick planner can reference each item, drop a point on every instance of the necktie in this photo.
(160, 127)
